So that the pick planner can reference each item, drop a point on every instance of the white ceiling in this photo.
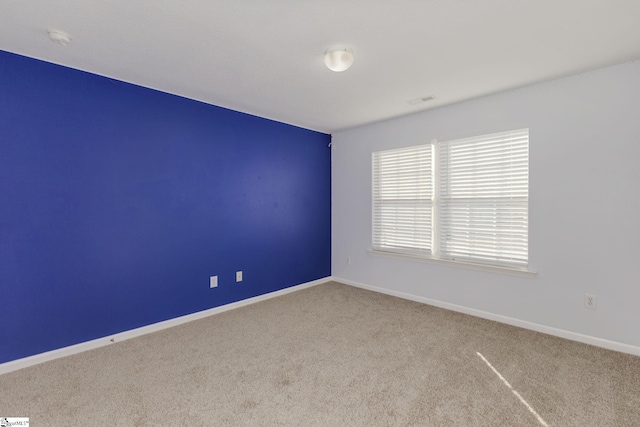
(265, 57)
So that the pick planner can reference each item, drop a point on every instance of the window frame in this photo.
(496, 265)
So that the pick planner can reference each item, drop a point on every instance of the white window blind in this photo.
(462, 200)
(483, 198)
(402, 199)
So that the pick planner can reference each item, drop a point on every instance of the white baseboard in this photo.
(574, 336)
(14, 365)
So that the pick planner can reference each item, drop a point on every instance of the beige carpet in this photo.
(332, 355)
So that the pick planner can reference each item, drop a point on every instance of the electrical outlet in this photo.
(349, 260)
(213, 281)
(238, 276)
(590, 301)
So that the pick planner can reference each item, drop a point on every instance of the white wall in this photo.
(584, 209)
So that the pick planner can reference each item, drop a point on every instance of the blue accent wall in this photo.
(117, 203)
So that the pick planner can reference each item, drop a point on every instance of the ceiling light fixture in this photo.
(59, 37)
(338, 60)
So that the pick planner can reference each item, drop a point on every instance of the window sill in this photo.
(514, 271)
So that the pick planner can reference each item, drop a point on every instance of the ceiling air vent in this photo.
(420, 100)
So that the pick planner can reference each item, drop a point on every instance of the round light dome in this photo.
(59, 37)
(338, 60)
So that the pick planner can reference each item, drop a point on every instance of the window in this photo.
(462, 200)
(403, 200)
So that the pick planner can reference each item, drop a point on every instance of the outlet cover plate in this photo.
(590, 301)
(213, 281)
